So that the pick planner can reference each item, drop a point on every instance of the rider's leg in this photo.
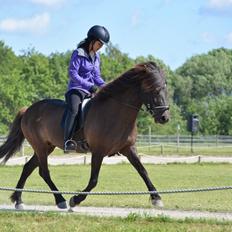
(73, 100)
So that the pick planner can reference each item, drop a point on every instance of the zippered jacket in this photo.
(84, 71)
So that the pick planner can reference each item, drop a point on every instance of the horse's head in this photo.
(154, 92)
(147, 81)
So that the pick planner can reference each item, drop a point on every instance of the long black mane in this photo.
(148, 71)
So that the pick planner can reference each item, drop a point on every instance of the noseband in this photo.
(156, 109)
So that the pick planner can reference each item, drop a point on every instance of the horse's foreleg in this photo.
(45, 174)
(131, 154)
(28, 168)
(96, 162)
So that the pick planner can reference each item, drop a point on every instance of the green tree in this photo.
(36, 76)
(202, 85)
(215, 114)
(114, 63)
(210, 73)
(10, 93)
(58, 69)
(202, 82)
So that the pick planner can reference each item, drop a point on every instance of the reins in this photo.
(149, 109)
(126, 104)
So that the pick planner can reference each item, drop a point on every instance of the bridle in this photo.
(149, 103)
(152, 110)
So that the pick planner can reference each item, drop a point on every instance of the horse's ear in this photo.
(142, 67)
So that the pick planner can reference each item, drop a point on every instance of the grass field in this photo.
(124, 178)
(48, 222)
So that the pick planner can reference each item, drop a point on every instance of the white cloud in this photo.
(48, 2)
(220, 4)
(229, 38)
(217, 8)
(37, 23)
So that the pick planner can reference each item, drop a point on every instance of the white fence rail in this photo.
(175, 139)
(184, 140)
(174, 142)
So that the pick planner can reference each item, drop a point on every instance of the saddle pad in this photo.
(80, 118)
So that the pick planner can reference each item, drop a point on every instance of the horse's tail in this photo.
(14, 139)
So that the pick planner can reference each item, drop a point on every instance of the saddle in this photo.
(79, 122)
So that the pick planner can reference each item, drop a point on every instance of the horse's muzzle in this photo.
(162, 118)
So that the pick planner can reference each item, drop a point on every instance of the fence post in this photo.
(192, 142)
(22, 150)
(178, 137)
(149, 148)
(162, 149)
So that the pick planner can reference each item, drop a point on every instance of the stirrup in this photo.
(69, 146)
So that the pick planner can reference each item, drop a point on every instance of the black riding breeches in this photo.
(73, 99)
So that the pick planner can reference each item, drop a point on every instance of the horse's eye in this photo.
(166, 83)
(157, 91)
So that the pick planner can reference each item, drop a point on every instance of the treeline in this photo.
(202, 85)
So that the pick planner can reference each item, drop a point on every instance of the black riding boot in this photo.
(69, 144)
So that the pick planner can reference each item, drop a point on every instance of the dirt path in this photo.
(124, 212)
(86, 159)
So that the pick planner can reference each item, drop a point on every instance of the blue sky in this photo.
(171, 30)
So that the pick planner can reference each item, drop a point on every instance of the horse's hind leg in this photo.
(95, 169)
(28, 168)
(131, 155)
(45, 174)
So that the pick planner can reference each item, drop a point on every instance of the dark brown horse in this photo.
(109, 128)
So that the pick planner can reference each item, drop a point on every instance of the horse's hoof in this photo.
(72, 202)
(70, 210)
(19, 206)
(158, 203)
(62, 205)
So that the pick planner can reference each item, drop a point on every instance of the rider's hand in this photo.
(93, 89)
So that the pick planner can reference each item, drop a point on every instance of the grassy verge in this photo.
(124, 178)
(48, 222)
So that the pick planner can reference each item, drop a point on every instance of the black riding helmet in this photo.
(100, 33)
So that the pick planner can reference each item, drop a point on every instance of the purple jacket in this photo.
(83, 72)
